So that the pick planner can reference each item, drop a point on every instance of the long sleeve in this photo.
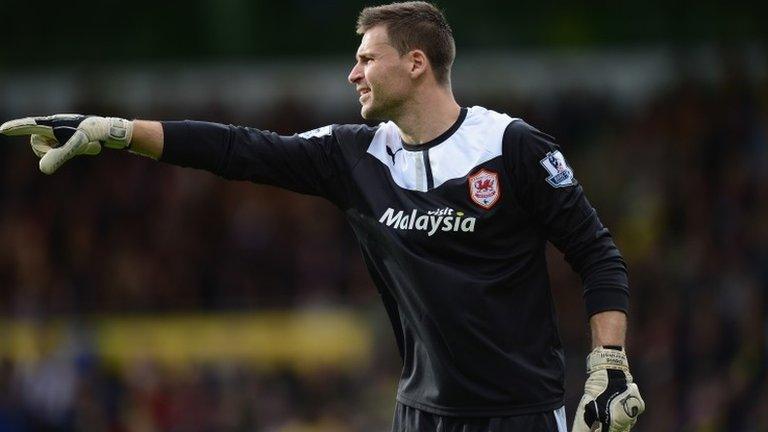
(309, 163)
(547, 188)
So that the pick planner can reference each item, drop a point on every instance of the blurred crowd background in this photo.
(128, 288)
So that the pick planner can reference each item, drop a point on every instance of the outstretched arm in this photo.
(311, 163)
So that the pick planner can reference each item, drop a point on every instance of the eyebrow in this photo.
(363, 54)
(372, 50)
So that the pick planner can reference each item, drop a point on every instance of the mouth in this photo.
(363, 94)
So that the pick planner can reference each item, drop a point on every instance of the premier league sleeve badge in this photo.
(560, 174)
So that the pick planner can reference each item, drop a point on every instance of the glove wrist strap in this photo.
(120, 133)
(607, 358)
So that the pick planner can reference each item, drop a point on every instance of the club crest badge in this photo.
(484, 188)
(560, 174)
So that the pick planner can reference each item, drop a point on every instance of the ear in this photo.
(419, 64)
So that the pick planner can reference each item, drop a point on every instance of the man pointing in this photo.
(452, 207)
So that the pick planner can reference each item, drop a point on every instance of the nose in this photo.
(355, 74)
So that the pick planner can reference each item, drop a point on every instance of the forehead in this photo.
(374, 39)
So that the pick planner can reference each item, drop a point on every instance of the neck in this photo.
(427, 115)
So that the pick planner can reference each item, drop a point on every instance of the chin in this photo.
(368, 113)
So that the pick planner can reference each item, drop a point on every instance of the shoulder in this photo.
(343, 133)
(521, 132)
(348, 139)
(352, 134)
(533, 153)
(517, 137)
(513, 127)
(524, 144)
(479, 117)
(353, 140)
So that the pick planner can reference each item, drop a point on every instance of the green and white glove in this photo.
(79, 134)
(611, 401)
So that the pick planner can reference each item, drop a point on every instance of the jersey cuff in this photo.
(175, 139)
(605, 299)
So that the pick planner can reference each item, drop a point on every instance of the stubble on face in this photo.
(381, 104)
(384, 75)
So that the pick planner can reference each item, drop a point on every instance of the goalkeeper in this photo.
(452, 207)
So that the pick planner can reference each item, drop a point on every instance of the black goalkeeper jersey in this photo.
(453, 232)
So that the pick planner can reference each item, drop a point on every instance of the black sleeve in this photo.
(547, 189)
(310, 163)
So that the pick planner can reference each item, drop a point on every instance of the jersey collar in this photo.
(444, 136)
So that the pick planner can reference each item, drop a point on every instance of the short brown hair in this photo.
(415, 25)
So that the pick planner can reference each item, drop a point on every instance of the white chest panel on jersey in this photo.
(477, 140)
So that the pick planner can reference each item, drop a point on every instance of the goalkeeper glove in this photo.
(611, 401)
(79, 135)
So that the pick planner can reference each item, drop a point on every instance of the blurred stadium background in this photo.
(137, 296)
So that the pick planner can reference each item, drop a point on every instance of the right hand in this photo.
(79, 135)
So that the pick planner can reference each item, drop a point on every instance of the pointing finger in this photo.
(26, 126)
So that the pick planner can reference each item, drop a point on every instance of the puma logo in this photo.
(392, 154)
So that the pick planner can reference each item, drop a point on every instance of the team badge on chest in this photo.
(484, 188)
